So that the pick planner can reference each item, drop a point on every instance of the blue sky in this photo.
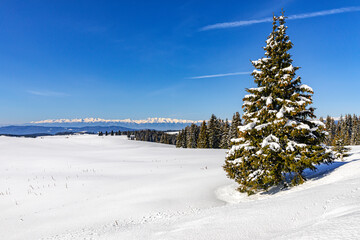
(139, 59)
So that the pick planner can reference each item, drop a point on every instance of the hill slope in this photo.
(90, 187)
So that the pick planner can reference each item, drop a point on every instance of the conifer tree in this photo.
(162, 138)
(203, 137)
(355, 131)
(340, 148)
(187, 136)
(235, 123)
(192, 136)
(342, 133)
(331, 129)
(147, 136)
(348, 126)
(166, 139)
(280, 138)
(225, 138)
(214, 132)
(183, 144)
(179, 139)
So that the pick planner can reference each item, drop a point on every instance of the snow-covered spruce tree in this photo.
(280, 138)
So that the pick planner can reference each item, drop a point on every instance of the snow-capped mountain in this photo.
(128, 120)
(149, 123)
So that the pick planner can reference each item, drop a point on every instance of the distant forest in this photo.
(345, 131)
(217, 133)
(145, 135)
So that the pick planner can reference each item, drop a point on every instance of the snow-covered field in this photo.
(90, 187)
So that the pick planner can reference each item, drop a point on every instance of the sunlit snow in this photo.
(90, 187)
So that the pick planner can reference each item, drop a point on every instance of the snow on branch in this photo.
(292, 145)
(272, 142)
(306, 88)
(247, 127)
(258, 89)
(288, 69)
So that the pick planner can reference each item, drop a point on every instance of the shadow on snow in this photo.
(321, 171)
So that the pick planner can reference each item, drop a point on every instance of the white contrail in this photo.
(47, 93)
(220, 75)
(234, 24)
(291, 17)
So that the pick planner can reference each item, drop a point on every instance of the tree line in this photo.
(153, 136)
(112, 133)
(345, 131)
(215, 133)
(145, 135)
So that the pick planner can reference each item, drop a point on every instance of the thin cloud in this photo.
(291, 17)
(47, 93)
(234, 24)
(220, 75)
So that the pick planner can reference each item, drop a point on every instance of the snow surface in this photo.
(90, 187)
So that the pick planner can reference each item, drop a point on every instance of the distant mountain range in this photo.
(149, 123)
(94, 125)
(40, 130)
(128, 120)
